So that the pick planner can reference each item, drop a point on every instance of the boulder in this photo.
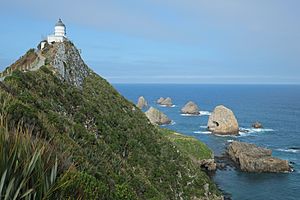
(257, 125)
(157, 117)
(142, 103)
(251, 158)
(166, 102)
(190, 108)
(161, 99)
(222, 121)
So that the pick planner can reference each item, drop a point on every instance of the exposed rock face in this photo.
(157, 117)
(142, 103)
(257, 125)
(190, 108)
(167, 102)
(208, 164)
(251, 158)
(67, 62)
(161, 99)
(222, 121)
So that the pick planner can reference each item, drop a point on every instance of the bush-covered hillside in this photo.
(106, 147)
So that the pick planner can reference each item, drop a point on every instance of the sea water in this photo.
(277, 107)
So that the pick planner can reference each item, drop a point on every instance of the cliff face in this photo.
(67, 63)
(107, 148)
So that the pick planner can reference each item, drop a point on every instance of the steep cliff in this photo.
(107, 148)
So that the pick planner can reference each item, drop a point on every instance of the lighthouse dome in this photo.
(60, 23)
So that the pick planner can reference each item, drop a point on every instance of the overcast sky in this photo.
(166, 41)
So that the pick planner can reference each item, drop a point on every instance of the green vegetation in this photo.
(106, 148)
(28, 167)
(190, 146)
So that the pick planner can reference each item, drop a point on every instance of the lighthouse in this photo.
(59, 33)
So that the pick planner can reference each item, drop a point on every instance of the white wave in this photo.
(202, 132)
(172, 106)
(229, 141)
(205, 113)
(203, 127)
(289, 150)
(188, 115)
(246, 131)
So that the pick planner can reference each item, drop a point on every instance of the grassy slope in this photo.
(112, 149)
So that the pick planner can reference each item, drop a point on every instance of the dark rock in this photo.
(257, 125)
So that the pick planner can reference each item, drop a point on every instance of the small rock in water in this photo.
(257, 125)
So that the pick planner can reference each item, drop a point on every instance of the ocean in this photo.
(277, 107)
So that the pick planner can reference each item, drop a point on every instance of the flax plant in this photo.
(28, 168)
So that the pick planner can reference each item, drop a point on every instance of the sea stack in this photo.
(157, 117)
(161, 99)
(223, 122)
(166, 102)
(251, 158)
(141, 103)
(190, 108)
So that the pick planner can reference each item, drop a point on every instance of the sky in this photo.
(166, 41)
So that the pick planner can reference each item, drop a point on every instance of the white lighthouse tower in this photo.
(59, 33)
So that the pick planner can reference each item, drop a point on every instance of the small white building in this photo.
(59, 33)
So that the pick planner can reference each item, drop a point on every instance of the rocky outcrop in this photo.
(257, 125)
(157, 117)
(166, 102)
(161, 99)
(222, 121)
(251, 158)
(141, 103)
(190, 108)
(65, 58)
(208, 164)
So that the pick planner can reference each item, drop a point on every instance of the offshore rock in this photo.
(167, 102)
(257, 125)
(161, 99)
(190, 108)
(222, 121)
(251, 158)
(142, 103)
(157, 117)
